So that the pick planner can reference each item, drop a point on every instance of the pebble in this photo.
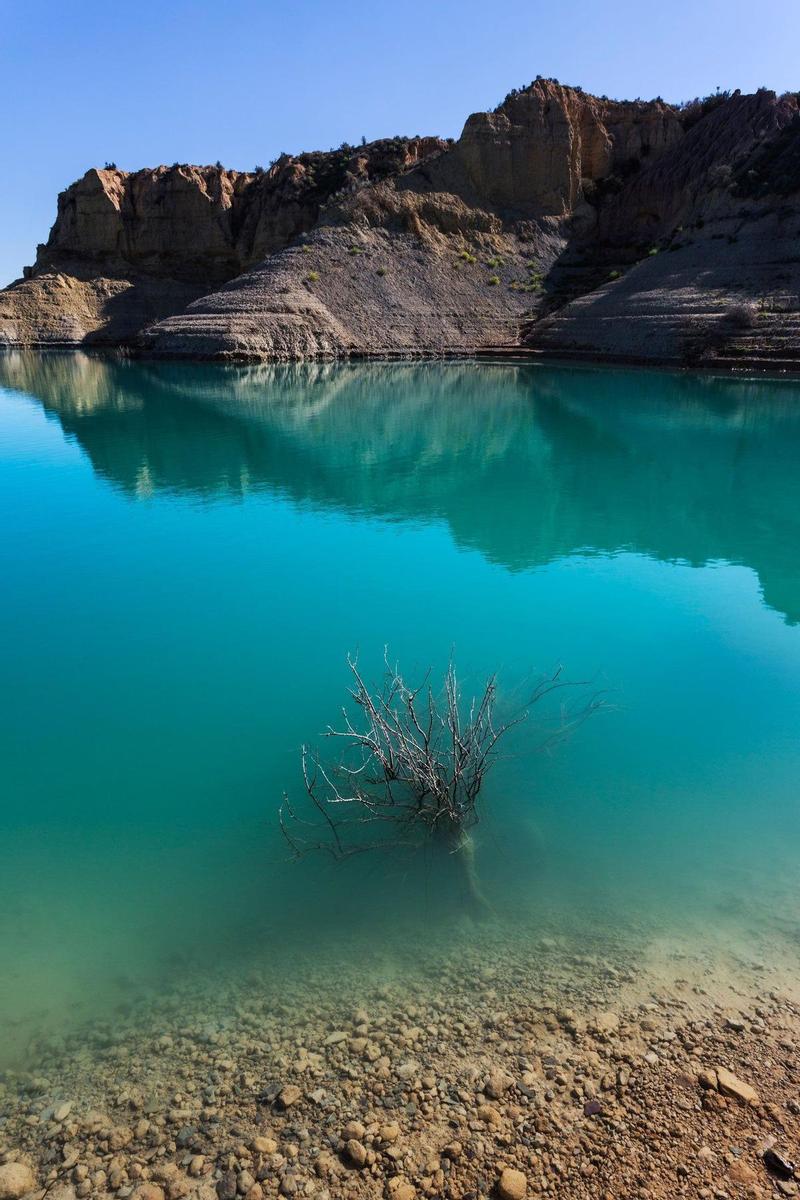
(512, 1184)
(264, 1145)
(15, 1180)
(497, 1085)
(400, 1189)
(289, 1095)
(151, 1191)
(730, 1085)
(356, 1152)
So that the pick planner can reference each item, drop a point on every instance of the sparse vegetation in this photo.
(312, 276)
(743, 315)
(493, 280)
(412, 768)
(381, 271)
(110, 166)
(466, 257)
(615, 274)
(692, 111)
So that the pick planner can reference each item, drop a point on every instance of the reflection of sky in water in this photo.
(188, 554)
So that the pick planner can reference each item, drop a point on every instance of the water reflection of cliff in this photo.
(525, 464)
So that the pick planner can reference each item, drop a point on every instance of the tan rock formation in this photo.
(705, 241)
(128, 249)
(567, 223)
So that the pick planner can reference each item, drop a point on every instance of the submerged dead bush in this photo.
(412, 767)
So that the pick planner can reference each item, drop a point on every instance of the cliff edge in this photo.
(560, 223)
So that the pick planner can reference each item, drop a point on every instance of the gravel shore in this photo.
(495, 1062)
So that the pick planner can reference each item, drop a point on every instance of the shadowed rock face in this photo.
(564, 222)
(678, 468)
(706, 241)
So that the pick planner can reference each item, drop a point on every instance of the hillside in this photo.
(560, 223)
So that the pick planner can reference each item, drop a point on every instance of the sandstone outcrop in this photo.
(699, 249)
(129, 249)
(561, 223)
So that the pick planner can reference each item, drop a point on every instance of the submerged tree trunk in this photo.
(461, 845)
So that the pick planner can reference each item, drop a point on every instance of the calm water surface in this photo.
(188, 553)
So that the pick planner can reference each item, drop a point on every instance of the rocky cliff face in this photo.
(538, 150)
(553, 219)
(700, 249)
(129, 248)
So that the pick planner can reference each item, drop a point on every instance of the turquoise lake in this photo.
(189, 553)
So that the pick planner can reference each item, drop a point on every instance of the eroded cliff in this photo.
(562, 222)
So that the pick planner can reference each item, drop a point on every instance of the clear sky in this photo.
(155, 81)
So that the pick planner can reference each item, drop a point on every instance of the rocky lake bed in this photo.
(486, 1063)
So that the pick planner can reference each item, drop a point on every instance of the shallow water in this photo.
(188, 554)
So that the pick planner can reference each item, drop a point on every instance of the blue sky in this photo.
(89, 80)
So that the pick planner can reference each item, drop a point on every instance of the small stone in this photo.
(778, 1164)
(741, 1173)
(389, 1133)
(63, 1111)
(512, 1185)
(729, 1085)
(289, 1095)
(151, 1191)
(605, 1023)
(400, 1189)
(333, 1039)
(592, 1108)
(226, 1187)
(15, 1180)
(498, 1084)
(264, 1145)
(356, 1152)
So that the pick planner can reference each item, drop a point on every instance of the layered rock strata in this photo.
(561, 223)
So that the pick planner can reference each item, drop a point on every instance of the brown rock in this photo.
(264, 1145)
(356, 1152)
(400, 1189)
(289, 1095)
(16, 1179)
(512, 1184)
(730, 1085)
(741, 1173)
(498, 1084)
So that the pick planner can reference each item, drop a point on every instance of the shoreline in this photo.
(600, 1067)
(513, 355)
